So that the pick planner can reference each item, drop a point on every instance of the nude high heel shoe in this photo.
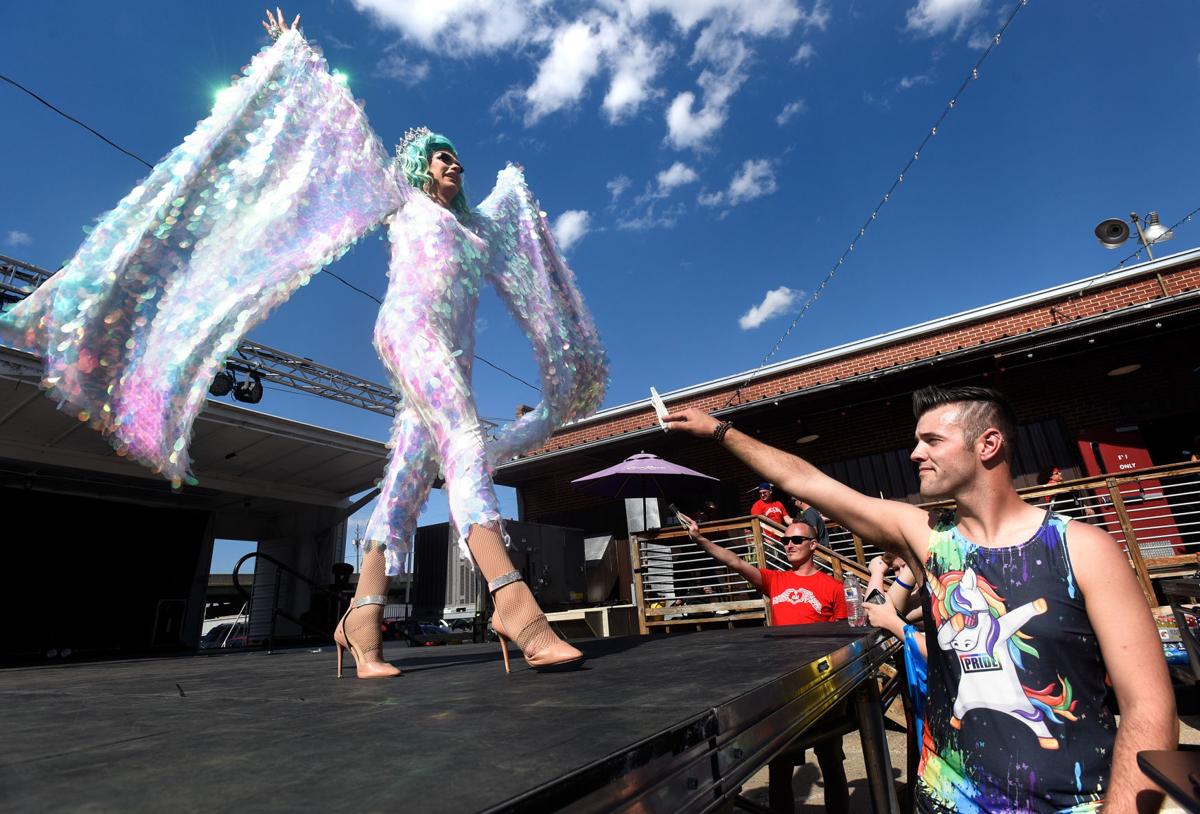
(370, 643)
(544, 651)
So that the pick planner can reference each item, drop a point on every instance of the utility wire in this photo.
(71, 118)
(887, 196)
(137, 157)
(512, 376)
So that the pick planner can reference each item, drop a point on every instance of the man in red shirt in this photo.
(800, 596)
(767, 506)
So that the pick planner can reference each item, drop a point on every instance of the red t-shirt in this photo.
(772, 511)
(801, 600)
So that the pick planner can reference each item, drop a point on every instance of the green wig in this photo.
(413, 157)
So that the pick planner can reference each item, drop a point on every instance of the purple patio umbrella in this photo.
(643, 475)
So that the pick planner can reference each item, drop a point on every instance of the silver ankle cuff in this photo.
(504, 579)
(370, 600)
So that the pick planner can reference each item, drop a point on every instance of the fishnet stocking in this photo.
(363, 624)
(515, 605)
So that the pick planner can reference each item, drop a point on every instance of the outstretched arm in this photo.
(1130, 646)
(723, 555)
(898, 527)
(536, 284)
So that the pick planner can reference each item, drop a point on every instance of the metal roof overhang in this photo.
(237, 453)
(513, 473)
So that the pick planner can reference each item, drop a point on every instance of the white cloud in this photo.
(633, 74)
(394, 65)
(617, 186)
(775, 302)
(790, 111)
(676, 175)
(907, 82)
(804, 54)
(818, 18)
(621, 43)
(755, 179)
(573, 60)
(688, 128)
(652, 218)
(932, 17)
(16, 238)
(692, 128)
(757, 17)
(459, 27)
(570, 227)
(979, 40)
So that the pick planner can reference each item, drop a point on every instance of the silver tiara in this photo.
(411, 135)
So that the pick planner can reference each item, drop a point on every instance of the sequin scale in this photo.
(276, 183)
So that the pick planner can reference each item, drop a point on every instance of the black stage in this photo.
(664, 723)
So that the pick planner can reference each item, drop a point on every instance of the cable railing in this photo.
(1154, 513)
(676, 583)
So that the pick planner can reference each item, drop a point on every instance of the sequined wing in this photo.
(539, 288)
(281, 178)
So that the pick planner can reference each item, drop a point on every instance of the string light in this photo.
(887, 196)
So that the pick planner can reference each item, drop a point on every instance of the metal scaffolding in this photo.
(19, 279)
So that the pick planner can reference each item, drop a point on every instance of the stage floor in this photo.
(258, 732)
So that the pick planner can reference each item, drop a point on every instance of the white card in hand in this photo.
(659, 407)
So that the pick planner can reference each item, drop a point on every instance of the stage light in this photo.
(1113, 232)
(1155, 232)
(222, 383)
(249, 390)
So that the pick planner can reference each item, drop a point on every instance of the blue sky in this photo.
(706, 161)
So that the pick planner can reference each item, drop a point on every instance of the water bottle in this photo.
(854, 605)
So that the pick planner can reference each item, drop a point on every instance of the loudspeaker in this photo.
(551, 559)
(430, 547)
(1112, 233)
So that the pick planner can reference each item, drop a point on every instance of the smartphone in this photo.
(660, 409)
(678, 514)
(876, 597)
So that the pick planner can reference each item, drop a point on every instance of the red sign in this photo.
(1120, 450)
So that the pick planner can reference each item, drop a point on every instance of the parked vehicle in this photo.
(226, 634)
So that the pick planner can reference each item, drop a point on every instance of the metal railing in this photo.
(1154, 513)
(676, 583)
(337, 599)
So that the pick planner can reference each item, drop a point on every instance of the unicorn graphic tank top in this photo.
(1016, 719)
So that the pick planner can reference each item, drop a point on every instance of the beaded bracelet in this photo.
(719, 432)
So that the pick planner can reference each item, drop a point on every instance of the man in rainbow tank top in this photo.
(1015, 719)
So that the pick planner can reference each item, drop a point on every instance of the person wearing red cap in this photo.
(767, 506)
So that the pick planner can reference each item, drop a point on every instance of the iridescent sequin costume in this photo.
(279, 181)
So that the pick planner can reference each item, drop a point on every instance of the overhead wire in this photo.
(887, 196)
(143, 161)
(1138, 252)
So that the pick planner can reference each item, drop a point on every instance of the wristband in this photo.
(903, 584)
(722, 428)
